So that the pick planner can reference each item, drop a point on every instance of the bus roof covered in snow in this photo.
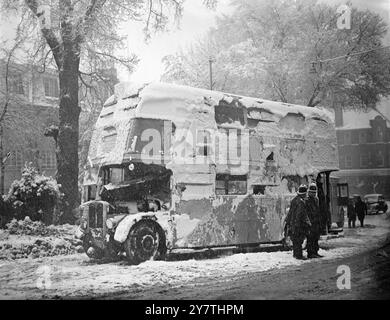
(300, 140)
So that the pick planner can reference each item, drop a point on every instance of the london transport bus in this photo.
(173, 167)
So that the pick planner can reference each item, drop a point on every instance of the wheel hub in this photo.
(148, 243)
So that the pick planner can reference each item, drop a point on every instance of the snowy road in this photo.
(76, 277)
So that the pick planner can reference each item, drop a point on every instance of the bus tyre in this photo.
(146, 241)
(92, 251)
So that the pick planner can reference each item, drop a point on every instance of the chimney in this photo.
(338, 114)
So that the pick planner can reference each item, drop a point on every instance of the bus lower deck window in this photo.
(259, 189)
(230, 185)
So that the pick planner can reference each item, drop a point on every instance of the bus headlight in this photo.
(110, 223)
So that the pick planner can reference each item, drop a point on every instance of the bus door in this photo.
(342, 202)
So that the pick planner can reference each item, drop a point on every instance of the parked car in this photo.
(375, 203)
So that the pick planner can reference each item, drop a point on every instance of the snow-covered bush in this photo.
(35, 240)
(31, 228)
(34, 195)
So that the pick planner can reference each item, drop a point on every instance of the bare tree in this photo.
(292, 51)
(73, 32)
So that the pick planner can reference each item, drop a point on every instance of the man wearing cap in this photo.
(297, 222)
(313, 211)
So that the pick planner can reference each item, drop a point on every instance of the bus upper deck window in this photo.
(226, 114)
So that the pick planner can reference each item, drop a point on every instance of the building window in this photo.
(16, 84)
(348, 161)
(363, 160)
(347, 138)
(389, 158)
(341, 138)
(15, 161)
(370, 136)
(228, 185)
(342, 162)
(371, 160)
(355, 137)
(379, 134)
(48, 160)
(380, 159)
(362, 137)
(51, 87)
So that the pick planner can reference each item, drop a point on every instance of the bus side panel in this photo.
(189, 215)
(273, 209)
(229, 220)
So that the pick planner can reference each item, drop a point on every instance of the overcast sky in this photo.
(196, 20)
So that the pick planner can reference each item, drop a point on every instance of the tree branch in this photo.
(48, 34)
(84, 23)
(7, 66)
(314, 95)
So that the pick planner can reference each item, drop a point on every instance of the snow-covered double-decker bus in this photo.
(176, 167)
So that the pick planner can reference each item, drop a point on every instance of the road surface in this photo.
(261, 275)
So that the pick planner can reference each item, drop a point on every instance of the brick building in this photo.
(33, 106)
(34, 99)
(364, 152)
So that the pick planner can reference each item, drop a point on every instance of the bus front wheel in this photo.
(146, 241)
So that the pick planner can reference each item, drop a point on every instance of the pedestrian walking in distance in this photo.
(297, 222)
(361, 210)
(351, 213)
(313, 212)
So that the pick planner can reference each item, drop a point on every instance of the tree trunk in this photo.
(68, 135)
(2, 164)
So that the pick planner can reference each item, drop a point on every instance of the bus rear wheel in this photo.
(146, 241)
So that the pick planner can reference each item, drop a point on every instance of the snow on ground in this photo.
(26, 238)
(86, 278)
(76, 275)
(181, 272)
